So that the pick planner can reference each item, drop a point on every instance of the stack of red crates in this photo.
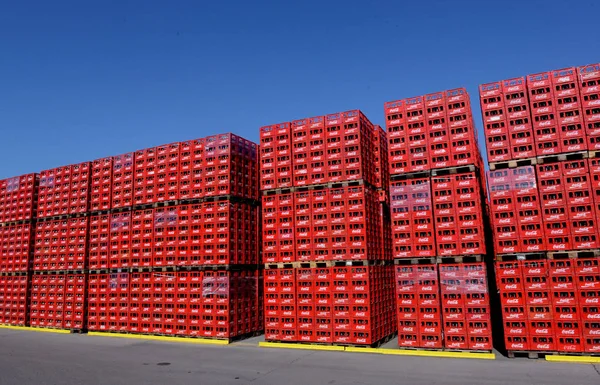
(177, 210)
(57, 301)
(459, 208)
(216, 304)
(18, 199)
(102, 174)
(324, 192)
(122, 180)
(549, 305)
(14, 298)
(61, 244)
(430, 132)
(16, 245)
(544, 210)
(204, 233)
(542, 114)
(516, 212)
(64, 190)
(438, 213)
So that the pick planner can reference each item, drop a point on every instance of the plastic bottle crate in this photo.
(101, 184)
(17, 197)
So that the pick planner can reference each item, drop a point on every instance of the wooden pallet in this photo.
(410, 175)
(591, 253)
(520, 257)
(513, 163)
(454, 170)
(416, 261)
(554, 158)
(461, 259)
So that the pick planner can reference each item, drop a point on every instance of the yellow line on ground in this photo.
(424, 353)
(300, 346)
(39, 330)
(33, 329)
(574, 359)
(200, 341)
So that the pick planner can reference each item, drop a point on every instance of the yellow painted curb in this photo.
(39, 330)
(574, 359)
(300, 346)
(200, 341)
(424, 353)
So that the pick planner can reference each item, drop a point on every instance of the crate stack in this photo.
(439, 222)
(61, 248)
(18, 202)
(174, 241)
(328, 278)
(544, 209)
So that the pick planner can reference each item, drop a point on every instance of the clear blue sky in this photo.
(81, 80)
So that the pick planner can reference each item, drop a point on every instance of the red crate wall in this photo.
(418, 306)
(340, 223)
(542, 114)
(549, 305)
(18, 198)
(213, 233)
(219, 304)
(230, 166)
(16, 244)
(412, 218)
(553, 209)
(332, 148)
(431, 132)
(64, 190)
(465, 306)
(61, 244)
(458, 214)
(329, 304)
(363, 302)
(14, 299)
(47, 301)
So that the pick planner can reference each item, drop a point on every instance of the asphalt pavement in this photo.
(32, 358)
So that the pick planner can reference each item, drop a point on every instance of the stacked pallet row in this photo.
(439, 221)
(18, 200)
(174, 241)
(328, 278)
(60, 248)
(544, 208)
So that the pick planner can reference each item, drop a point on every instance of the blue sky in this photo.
(83, 80)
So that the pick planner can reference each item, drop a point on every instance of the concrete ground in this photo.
(31, 358)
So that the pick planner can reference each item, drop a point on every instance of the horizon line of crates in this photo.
(542, 135)
(161, 241)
